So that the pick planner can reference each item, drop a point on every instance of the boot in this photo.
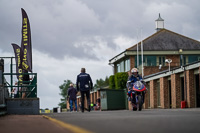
(89, 108)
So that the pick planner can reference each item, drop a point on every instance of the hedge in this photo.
(112, 82)
(121, 80)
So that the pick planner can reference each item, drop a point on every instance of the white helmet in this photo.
(134, 70)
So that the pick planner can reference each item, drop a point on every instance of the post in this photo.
(36, 83)
(142, 53)
(137, 52)
(168, 61)
(11, 76)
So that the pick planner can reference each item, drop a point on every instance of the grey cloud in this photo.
(57, 25)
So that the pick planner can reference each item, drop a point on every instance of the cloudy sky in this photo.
(70, 34)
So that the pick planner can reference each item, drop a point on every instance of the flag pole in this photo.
(137, 51)
(142, 53)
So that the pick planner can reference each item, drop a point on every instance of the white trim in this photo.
(179, 70)
(118, 57)
(129, 52)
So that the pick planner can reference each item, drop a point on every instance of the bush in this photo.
(121, 80)
(112, 82)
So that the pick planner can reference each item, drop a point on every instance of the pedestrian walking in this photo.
(84, 85)
(72, 97)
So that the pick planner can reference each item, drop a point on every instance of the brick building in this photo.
(166, 88)
(169, 89)
(162, 45)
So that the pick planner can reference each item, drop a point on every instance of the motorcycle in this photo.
(137, 91)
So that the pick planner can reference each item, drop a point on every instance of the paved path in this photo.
(29, 124)
(146, 121)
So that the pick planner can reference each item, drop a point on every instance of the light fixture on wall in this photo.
(160, 66)
(181, 57)
(168, 61)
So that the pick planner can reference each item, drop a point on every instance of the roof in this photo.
(166, 40)
(159, 18)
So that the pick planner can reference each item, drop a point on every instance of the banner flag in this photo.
(18, 57)
(26, 43)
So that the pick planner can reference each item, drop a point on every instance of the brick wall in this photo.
(190, 89)
(175, 60)
(98, 94)
(153, 94)
(146, 101)
(175, 91)
(129, 105)
(164, 93)
(132, 62)
(154, 69)
(91, 97)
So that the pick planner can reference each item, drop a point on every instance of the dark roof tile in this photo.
(167, 40)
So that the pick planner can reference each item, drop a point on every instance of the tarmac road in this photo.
(29, 124)
(125, 121)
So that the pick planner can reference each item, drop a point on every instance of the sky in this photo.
(70, 34)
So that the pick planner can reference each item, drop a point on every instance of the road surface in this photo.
(125, 121)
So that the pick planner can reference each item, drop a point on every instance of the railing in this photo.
(27, 88)
(3, 95)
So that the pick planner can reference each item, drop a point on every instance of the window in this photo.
(127, 65)
(193, 58)
(118, 67)
(150, 60)
(184, 60)
(161, 60)
(147, 60)
(122, 66)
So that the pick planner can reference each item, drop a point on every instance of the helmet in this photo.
(134, 70)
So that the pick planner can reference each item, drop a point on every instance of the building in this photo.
(162, 45)
(171, 67)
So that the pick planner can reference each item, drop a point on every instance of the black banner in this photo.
(18, 57)
(26, 43)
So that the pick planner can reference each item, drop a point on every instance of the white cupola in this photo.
(159, 23)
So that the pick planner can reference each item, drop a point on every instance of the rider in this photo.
(132, 79)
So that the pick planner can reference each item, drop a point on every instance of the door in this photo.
(197, 85)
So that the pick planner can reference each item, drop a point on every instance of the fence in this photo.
(27, 87)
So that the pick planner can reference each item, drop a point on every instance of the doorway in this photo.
(197, 86)
(182, 89)
(158, 94)
(170, 95)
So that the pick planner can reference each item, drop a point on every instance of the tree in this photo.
(100, 83)
(64, 88)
